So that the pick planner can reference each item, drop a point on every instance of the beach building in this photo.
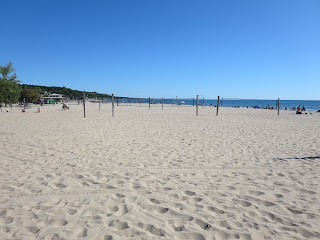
(53, 98)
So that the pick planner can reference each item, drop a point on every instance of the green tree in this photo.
(9, 85)
(30, 95)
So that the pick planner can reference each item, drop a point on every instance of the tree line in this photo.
(12, 91)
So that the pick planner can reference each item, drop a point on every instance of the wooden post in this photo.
(24, 103)
(117, 101)
(162, 103)
(149, 103)
(278, 106)
(203, 102)
(84, 104)
(193, 102)
(140, 102)
(197, 105)
(218, 105)
(112, 105)
(99, 104)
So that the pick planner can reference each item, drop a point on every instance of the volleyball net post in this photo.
(218, 105)
(197, 103)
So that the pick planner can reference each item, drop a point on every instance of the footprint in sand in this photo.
(78, 176)
(119, 225)
(190, 236)
(189, 193)
(197, 199)
(155, 201)
(79, 233)
(60, 185)
(118, 195)
(33, 230)
(294, 211)
(204, 225)
(256, 193)
(71, 211)
(158, 209)
(122, 210)
(242, 202)
(152, 229)
(304, 191)
(57, 222)
(6, 220)
(215, 210)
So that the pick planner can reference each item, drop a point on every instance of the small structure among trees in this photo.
(11, 91)
(52, 98)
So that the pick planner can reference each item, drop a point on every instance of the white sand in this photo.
(153, 174)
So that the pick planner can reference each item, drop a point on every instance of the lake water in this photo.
(313, 105)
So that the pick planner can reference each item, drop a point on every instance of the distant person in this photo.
(303, 108)
(38, 111)
(298, 110)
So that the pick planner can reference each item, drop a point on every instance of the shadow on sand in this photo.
(303, 158)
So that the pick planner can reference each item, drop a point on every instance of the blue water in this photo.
(313, 105)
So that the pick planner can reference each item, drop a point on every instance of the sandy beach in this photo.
(159, 174)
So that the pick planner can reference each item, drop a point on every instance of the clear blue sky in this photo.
(166, 48)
